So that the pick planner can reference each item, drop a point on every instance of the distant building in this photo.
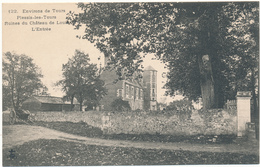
(136, 91)
(128, 89)
(48, 103)
(150, 86)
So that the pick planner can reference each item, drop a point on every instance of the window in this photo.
(153, 77)
(132, 92)
(153, 93)
(119, 93)
(127, 91)
(141, 94)
(137, 93)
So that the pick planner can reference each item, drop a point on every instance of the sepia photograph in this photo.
(130, 83)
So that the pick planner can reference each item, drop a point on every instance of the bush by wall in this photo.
(182, 108)
(120, 105)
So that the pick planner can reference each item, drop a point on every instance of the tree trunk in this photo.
(17, 99)
(13, 98)
(206, 82)
(13, 94)
(80, 106)
(12, 88)
(210, 90)
(255, 109)
(71, 102)
(80, 102)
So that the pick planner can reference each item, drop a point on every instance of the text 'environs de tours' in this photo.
(36, 20)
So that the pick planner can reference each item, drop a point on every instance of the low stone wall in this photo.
(92, 118)
(5, 116)
(213, 122)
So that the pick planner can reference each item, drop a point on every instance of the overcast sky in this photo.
(51, 49)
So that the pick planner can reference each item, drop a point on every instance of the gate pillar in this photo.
(243, 111)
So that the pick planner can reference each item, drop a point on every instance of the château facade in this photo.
(128, 89)
(140, 93)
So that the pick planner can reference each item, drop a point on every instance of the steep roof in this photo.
(109, 76)
(53, 100)
(49, 99)
(134, 82)
(149, 68)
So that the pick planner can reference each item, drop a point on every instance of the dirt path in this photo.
(18, 134)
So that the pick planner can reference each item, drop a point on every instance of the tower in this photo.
(150, 85)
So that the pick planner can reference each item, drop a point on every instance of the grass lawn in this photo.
(58, 152)
(83, 129)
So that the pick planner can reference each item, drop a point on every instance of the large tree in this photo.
(81, 80)
(192, 38)
(244, 62)
(21, 78)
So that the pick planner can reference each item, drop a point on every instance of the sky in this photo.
(50, 49)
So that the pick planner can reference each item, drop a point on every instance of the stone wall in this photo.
(215, 123)
(92, 118)
(212, 122)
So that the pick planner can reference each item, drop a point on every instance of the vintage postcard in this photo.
(130, 83)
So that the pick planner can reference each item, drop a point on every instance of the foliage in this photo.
(181, 107)
(42, 92)
(195, 40)
(21, 79)
(209, 115)
(81, 80)
(244, 34)
(90, 105)
(6, 97)
(120, 105)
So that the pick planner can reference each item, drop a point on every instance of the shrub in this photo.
(182, 108)
(120, 105)
(138, 110)
(210, 114)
